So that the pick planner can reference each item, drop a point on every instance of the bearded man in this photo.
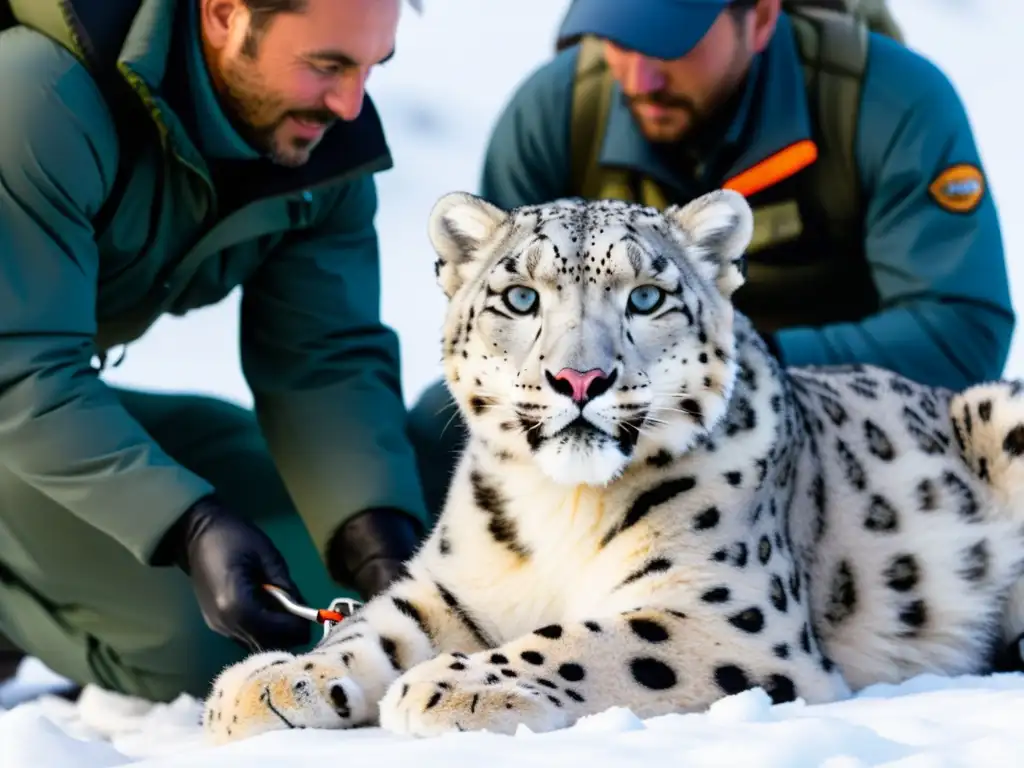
(154, 156)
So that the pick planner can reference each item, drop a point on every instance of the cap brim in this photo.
(661, 29)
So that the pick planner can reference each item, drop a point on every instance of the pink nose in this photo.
(582, 384)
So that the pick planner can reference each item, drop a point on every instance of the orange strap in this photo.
(772, 170)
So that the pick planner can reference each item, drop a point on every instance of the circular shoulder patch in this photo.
(959, 188)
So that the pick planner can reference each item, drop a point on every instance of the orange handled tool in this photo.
(341, 608)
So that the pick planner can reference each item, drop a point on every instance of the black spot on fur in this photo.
(501, 527)
(834, 410)
(572, 672)
(842, 598)
(648, 500)
(649, 630)
(781, 650)
(879, 444)
(975, 562)
(464, 616)
(1013, 443)
(406, 608)
(903, 573)
(817, 491)
(498, 658)
(731, 679)
(777, 594)
(927, 496)
(660, 459)
(750, 620)
(985, 410)
(390, 649)
(764, 550)
(551, 631)
(593, 626)
(967, 504)
(805, 639)
(735, 479)
(914, 615)
(658, 565)
(900, 386)
(864, 386)
(693, 409)
(882, 516)
(853, 470)
(780, 688)
(742, 417)
(532, 657)
(917, 427)
(653, 674)
(707, 519)
(716, 595)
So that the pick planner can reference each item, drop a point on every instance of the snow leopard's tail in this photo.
(988, 425)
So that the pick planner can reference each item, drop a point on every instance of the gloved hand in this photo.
(367, 553)
(229, 559)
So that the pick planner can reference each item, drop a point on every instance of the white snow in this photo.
(454, 68)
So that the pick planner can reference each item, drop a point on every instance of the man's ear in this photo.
(460, 227)
(717, 228)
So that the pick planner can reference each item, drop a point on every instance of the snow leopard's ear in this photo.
(717, 228)
(461, 226)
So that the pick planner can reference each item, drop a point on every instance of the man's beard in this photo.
(257, 114)
(695, 116)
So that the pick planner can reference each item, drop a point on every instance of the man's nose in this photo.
(643, 75)
(346, 99)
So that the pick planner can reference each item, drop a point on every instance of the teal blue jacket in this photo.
(202, 215)
(944, 308)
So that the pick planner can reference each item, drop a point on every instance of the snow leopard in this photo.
(651, 511)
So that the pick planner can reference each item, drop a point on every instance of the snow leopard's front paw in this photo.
(453, 692)
(277, 691)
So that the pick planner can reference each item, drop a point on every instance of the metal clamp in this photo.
(339, 610)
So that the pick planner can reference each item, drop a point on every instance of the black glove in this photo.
(367, 553)
(229, 559)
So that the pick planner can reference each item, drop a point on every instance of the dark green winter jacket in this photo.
(193, 225)
(922, 290)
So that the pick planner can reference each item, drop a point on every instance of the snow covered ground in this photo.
(453, 71)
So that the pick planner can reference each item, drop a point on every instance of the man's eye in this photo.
(325, 69)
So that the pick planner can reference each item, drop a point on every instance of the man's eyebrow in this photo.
(343, 59)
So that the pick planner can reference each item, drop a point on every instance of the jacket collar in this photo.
(772, 113)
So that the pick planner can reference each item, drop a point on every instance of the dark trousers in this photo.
(84, 606)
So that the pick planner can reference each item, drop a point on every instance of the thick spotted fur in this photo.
(704, 523)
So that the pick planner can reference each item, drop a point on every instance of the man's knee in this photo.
(438, 435)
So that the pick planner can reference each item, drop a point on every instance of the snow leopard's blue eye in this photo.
(520, 299)
(645, 299)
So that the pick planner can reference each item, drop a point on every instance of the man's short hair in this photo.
(262, 11)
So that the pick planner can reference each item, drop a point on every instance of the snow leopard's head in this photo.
(586, 335)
